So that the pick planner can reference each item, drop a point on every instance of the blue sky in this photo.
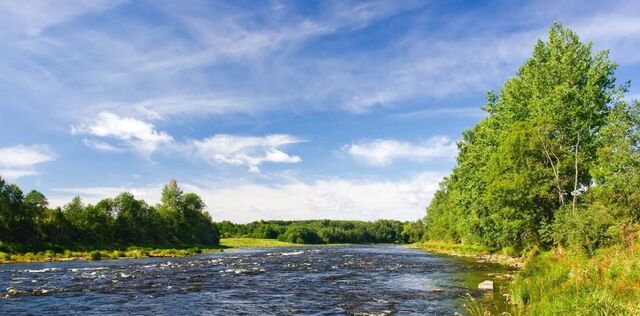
(273, 109)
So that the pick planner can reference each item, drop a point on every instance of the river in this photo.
(323, 280)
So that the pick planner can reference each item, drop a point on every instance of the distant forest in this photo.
(180, 219)
(27, 223)
(326, 231)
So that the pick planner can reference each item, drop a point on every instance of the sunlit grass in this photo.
(451, 248)
(253, 243)
(555, 283)
(101, 254)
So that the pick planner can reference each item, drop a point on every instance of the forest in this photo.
(325, 231)
(554, 162)
(552, 173)
(28, 224)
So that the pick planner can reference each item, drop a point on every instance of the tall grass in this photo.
(557, 283)
(451, 248)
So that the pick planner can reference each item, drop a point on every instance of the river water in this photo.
(324, 280)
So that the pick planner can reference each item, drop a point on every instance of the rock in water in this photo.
(486, 286)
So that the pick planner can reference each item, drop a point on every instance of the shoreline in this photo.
(482, 254)
(141, 252)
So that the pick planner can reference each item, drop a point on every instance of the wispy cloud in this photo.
(217, 58)
(21, 160)
(102, 146)
(33, 17)
(471, 112)
(249, 151)
(382, 152)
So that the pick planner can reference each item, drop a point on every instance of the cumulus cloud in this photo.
(335, 198)
(20, 160)
(126, 133)
(382, 152)
(137, 135)
(249, 151)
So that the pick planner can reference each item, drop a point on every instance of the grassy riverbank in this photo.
(562, 282)
(131, 252)
(473, 251)
(555, 282)
(253, 243)
(57, 253)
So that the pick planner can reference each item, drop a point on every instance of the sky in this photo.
(267, 109)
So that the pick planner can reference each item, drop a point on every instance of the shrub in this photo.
(300, 235)
(5, 256)
(95, 255)
(585, 230)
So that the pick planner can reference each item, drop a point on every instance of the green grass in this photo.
(99, 254)
(556, 283)
(451, 248)
(119, 252)
(253, 243)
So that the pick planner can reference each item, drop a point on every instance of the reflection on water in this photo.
(342, 280)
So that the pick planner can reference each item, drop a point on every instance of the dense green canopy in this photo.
(554, 161)
(326, 231)
(27, 222)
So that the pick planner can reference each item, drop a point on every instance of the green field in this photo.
(253, 243)
(134, 252)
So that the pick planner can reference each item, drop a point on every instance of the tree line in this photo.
(27, 222)
(555, 162)
(325, 231)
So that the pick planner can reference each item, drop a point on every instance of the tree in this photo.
(532, 154)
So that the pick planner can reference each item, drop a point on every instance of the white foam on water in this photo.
(42, 270)
(294, 253)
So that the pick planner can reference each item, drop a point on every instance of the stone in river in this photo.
(486, 285)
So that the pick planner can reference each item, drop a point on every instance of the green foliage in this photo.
(587, 230)
(604, 284)
(325, 231)
(300, 235)
(451, 248)
(252, 243)
(556, 147)
(26, 222)
(95, 255)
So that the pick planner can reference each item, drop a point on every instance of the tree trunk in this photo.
(556, 171)
(575, 181)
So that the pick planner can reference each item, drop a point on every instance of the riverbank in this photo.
(132, 252)
(239, 242)
(480, 253)
(561, 282)
(137, 252)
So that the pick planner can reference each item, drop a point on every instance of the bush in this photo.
(95, 255)
(585, 230)
(5, 256)
(300, 235)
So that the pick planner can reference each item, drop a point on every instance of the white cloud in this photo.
(249, 151)
(20, 160)
(382, 152)
(160, 108)
(471, 112)
(102, 146)
(142, 137)
(335, 198)
(137, 135)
